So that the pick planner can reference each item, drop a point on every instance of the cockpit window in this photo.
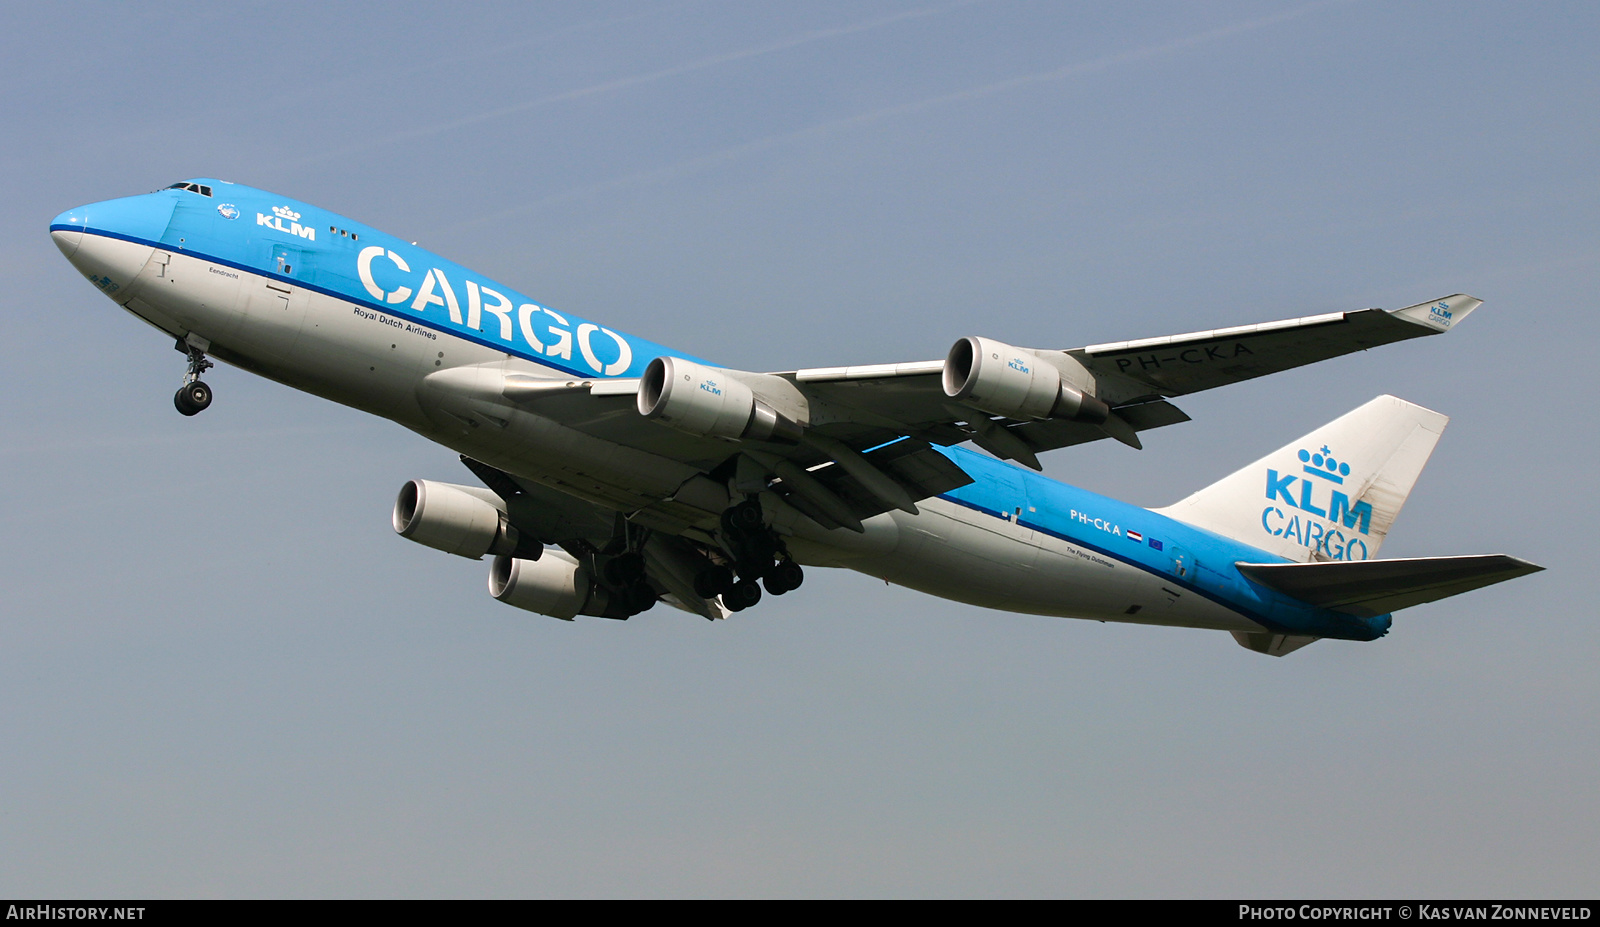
(201, 189)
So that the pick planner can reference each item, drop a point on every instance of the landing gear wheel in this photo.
(192, 398)
(746, 516)
(713, 581)
(624, 569)
(639, 598)
(785, 576)
(744, 594)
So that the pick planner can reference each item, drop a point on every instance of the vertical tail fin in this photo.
(1332, 495)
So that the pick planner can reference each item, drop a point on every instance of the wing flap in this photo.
(1055, 433)
(912, 463)
(554, 517)
(1368, 588)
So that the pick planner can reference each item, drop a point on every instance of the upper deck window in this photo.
(201, 189)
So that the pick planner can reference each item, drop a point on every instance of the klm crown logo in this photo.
(284, 212)
(1322, 465)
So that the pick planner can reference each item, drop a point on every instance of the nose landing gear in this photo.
(193, 397)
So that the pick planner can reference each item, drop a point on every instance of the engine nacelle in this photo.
(1002, 380)
(458, 520)
(710, 402)
(554, 585)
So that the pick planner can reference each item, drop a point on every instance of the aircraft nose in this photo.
(109, 242)
(66, 230)
(142, 218)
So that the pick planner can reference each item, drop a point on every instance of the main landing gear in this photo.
(624, 579)
(757, 554)
(193, 397)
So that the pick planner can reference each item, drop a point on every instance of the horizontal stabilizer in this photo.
(1367, 588)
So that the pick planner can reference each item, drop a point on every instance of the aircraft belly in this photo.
(953, 552)
(813, 545)
(199, 295)
(370, 362)
(258, 323)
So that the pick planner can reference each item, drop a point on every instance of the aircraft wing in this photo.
(1134, 377)
(1180, 364)
(867, 441)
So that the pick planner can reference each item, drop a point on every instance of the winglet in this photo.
(1440, 314)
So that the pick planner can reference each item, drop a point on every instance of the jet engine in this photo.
(710, 402)
(458, 520)
(1002, 380)
(554, 585)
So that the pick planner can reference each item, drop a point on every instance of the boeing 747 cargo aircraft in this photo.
(614, 473)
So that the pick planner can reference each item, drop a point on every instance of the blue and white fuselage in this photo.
(331, 306)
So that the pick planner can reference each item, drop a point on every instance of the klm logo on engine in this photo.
(1019, 364)
(279, 214)
(710, 386)
(1317, 490)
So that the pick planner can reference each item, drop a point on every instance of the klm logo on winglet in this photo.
(1310, 493)
(1440, 312)
(275, 221)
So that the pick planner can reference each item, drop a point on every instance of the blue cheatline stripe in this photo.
(501, 346)
(1164, 576)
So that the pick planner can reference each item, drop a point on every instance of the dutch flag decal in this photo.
(1135, 537)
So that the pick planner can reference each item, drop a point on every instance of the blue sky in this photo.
(221, 674)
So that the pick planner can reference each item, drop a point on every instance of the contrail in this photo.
(1072, 70)
(621, 83)
(448, 60)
